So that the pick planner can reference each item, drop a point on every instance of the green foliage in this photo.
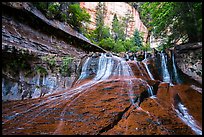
(41, 70)
(77, 16)
(146, 47)
(50, 60)
(119, 46)
(126, 20)
(64, 70)
(73, 14)
(173, 20)
(129, 45)
(100, 13)
(164, 46)
(43, 6)
(116, 40)
(107, 43)
(53, 10)
(137, 38)
(101, 31)
(118, 29)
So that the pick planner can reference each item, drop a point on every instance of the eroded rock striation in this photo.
(40, 56)
(52, 86)
(109, 98)
(189, 59)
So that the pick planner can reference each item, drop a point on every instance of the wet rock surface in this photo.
(189, 59)
(103, 109)
(44, 54)
(115, 105)
(102, 94)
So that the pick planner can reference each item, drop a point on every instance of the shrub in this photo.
(107, 43)
(65, 69)
(77, 16)
(119, 46)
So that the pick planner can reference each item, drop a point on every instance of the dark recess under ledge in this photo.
(37, 20)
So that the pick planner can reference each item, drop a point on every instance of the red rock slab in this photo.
(90, 111)
(150, 118)
(191, 99)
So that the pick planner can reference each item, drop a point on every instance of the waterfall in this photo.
(108, 67)
(145, 55)
(150, 90)
(105, 67)
(84, 69)
(148, 71)
(175, 70)
(135, 58)
(187, 118)
(165, 72)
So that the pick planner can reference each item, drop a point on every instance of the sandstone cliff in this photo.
(189, 59)
(37, 51)
(120, 9)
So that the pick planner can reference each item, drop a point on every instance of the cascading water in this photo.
(145, 55)
(148, 71)
(135, 58)
(84, 69)
(103, 74)
(111, 66)
(187, 118)
(105, 67)
(178, 81)
(165, 72)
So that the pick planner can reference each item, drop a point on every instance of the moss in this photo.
(65, 69)
(41, 70)
(50, 60)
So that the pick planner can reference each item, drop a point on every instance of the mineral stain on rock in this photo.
(104, 95)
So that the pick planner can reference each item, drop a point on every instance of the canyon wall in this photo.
(39, 56)
(120, 9)
(189, 59)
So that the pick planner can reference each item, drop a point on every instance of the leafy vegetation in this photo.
(170, 21)
(118, 30)
(41, 70)
(137, 38)
(173, 21)
(114, 39)
(77, 16)
(65, 69)
(69, 12)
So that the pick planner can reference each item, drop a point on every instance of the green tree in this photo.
(101, 30)
(137, 38)
(77, 16)
(119, 46)
(129, 45)
(69, 12)
(107, 43)
(118, 30)
(173, 20)
(53, 10)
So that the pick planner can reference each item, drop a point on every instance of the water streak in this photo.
(165, 72)
(188, 119)
(148, 71)
(175, 70)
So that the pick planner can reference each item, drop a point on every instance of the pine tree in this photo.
(100, 16)
(117, 29)
(137, 38)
